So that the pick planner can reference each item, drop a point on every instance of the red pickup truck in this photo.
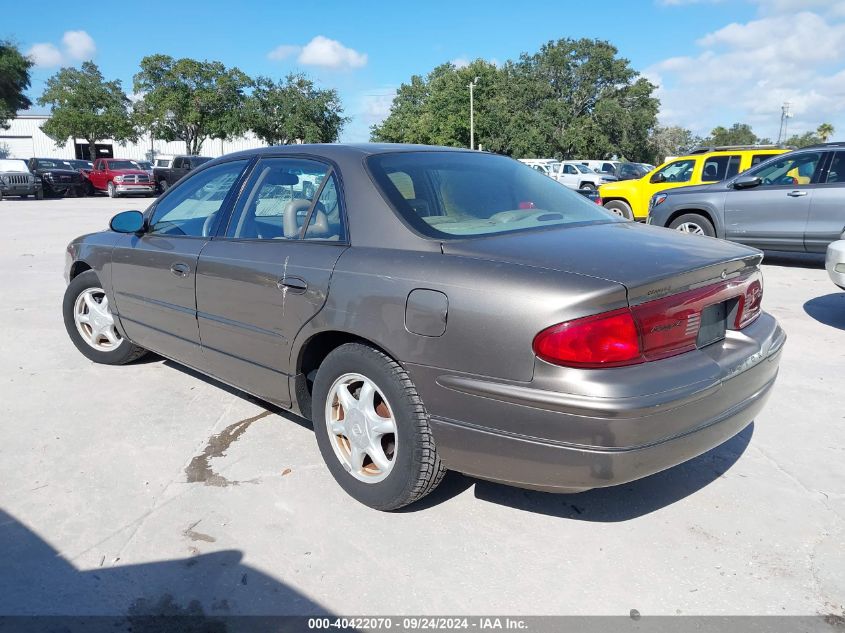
(118, 176)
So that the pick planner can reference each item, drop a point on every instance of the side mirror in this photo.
(747, 182)
(659, 177)
(127, 222)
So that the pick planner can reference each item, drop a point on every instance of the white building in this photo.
(24, 139)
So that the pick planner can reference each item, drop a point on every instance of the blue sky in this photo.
(716, 61)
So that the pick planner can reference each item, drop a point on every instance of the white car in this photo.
(546, 166)
(577, 176)
(835, 262)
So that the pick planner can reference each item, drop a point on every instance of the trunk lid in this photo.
(651, 262)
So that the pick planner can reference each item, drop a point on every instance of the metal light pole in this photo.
(472, 114)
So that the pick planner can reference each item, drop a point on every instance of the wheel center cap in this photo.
(357, 428)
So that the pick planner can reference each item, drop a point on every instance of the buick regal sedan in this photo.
(430, 309)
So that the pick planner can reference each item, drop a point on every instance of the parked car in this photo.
(162, 160)
(547, 166)
(58, 178)
(630, 171)
(577, 176)
(166, 177)
(835, 262)
(120, 176)
(590, 194)
(146, 166)
(84, 168)
(17, 180)
(792, 202)
(630, 198)
(434, 308)
(602, 166)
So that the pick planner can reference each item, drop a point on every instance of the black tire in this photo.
(620, 207)
(163, 185)
(110, 189)
(39, 194)
(125, 352)
(417, 469)
(693, 220)
(588, 185)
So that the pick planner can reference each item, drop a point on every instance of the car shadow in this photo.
(794, 260)
(206, 592)
(828, 309)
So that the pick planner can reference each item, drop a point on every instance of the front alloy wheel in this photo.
(690, 227)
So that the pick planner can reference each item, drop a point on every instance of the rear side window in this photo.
(718, 168)
(467, 194)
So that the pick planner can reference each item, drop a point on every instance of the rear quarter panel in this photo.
(494, 309)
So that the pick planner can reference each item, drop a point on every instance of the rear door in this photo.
(826, 220)
(153, 275)
(774, 214)
(265, 276)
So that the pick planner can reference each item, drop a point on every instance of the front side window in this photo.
(468, 194)
(278, 199)
(678, 171)
(718, 168)
(191, 207)
(791, 170)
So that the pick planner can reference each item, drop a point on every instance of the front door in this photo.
(826, 220)
(266, 276)
(774, 214)
(153, 275)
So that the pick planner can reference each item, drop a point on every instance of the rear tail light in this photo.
(598, 201)
(650, 331)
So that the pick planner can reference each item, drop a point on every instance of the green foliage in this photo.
(825, 131)
(86, 106)
(737, 134)
(14, 80)
(190, 100)
(294, 110)
(672, 141)
(802, 140)
(572, 98)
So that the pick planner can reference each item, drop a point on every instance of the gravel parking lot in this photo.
(148, 488)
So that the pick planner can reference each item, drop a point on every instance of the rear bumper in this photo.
(565, 442)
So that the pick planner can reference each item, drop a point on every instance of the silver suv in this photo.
(791, 202)
(17, 180)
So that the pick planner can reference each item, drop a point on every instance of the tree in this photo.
(14, 81)
(86, 106)
(190, 100)
(737, 134)
(672, 141)
(294, 110)
(572, 98)
(825, 131)
(803, 140)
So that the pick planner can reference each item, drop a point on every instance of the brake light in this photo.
(750, 302)
(599, 201)
(604, 340)
(649, 331)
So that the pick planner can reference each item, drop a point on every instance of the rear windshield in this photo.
(468, 194)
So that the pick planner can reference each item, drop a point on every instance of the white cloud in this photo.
(328, 53)
(76, 45)
(45, 55)
(79, 45)
(745, 71)
(283, 52)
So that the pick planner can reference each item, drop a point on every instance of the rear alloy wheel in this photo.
(372, 428)
(620, 207)
(112, 191)
(693, 223)
(90, 323)
(588, 186)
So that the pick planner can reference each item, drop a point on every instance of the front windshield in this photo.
(142, 164)
(584, 169)
(122, 164)
(469, 194)
(53, 164)
(11, 164)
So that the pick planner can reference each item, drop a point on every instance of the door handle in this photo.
(180, 270)
(796, 194)
(292, 284)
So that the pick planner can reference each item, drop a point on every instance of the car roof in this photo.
(333, 150)
(731, 152)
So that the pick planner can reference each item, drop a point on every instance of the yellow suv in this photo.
(629, 198)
